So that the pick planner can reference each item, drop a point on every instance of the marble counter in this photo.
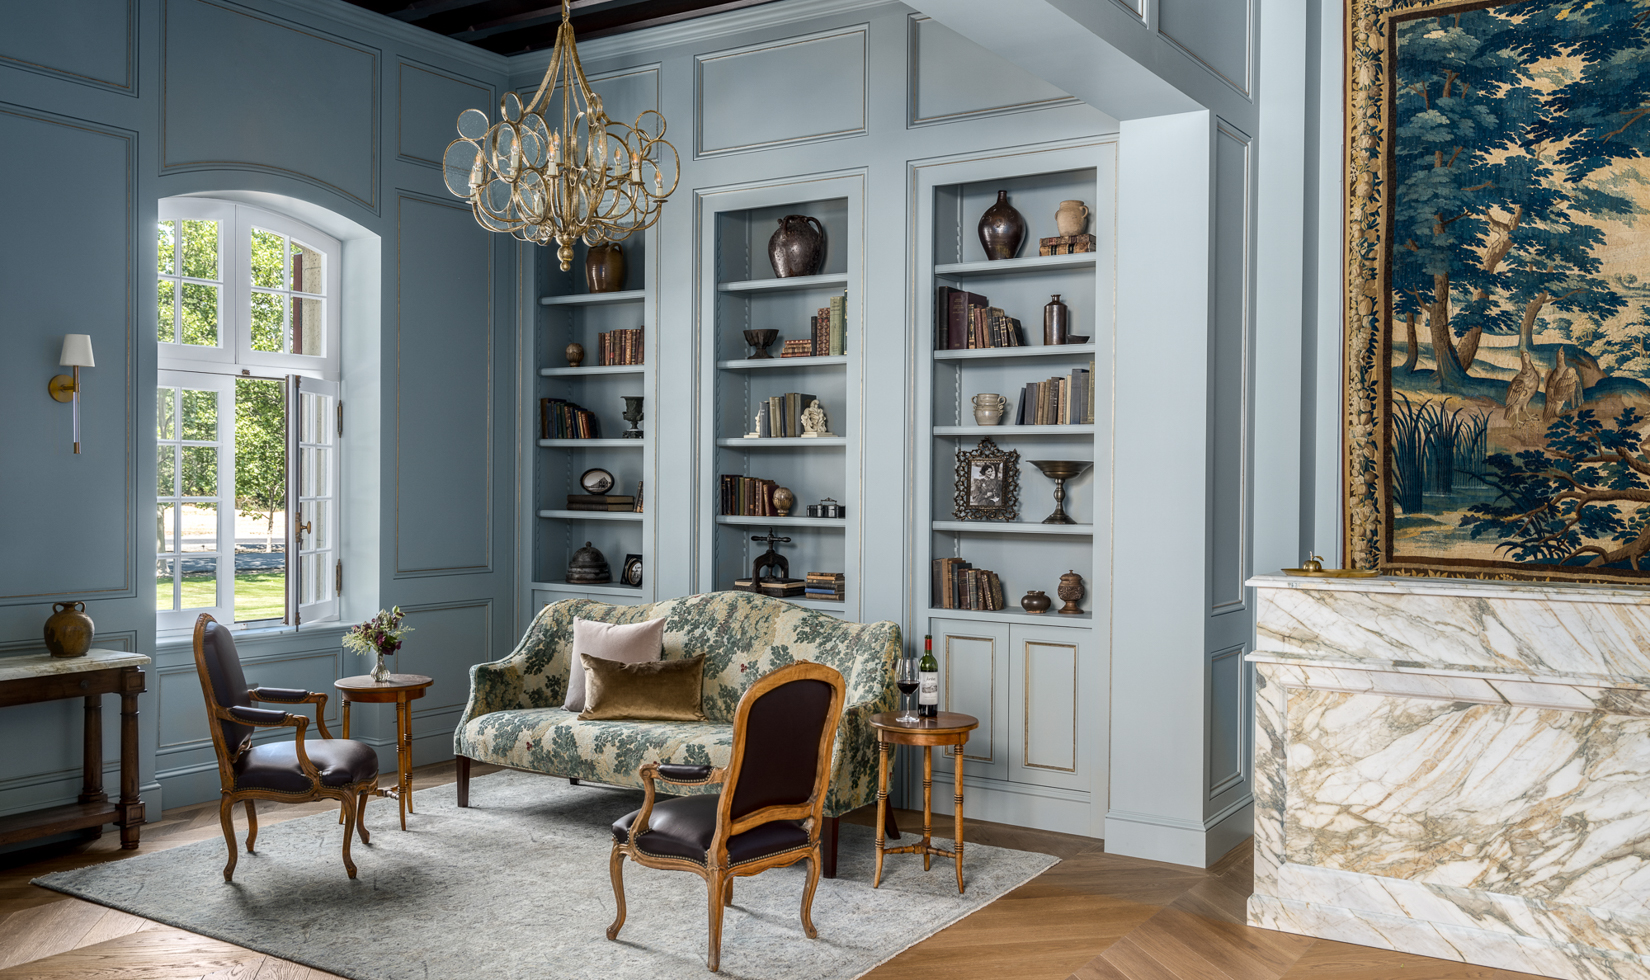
(1458, 769)
(44, 664)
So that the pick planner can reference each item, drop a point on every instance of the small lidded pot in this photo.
(1035, 602)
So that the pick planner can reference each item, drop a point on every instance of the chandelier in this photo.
(581, 176)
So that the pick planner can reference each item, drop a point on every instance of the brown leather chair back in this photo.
(228, 683)
(781, 763)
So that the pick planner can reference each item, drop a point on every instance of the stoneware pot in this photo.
(69, 630)
(1002, 229)
(988, 408)
(783, 501)
(1071, 590)
(1056, 322)
(604, 268)
(1071, 218)
(1035, 603)
(588, 567)
(575, 354)
(798, 247)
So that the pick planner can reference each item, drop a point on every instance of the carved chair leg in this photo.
(715, 891)
(347, 805)
(251, 824)
(463, 779)
(361, 817)
(814, 861)
(226, 809)
(727, 891)
(615, 867)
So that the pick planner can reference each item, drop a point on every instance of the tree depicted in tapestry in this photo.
(1515, 231)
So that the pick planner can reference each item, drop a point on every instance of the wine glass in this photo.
(906, 679)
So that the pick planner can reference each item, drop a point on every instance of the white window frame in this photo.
(233, 357)
(224, 386)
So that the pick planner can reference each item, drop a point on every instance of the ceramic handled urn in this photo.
(69, 630)
(798, 247)
(988, 408)
(1071, 218)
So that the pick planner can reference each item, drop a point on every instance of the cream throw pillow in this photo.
(629, 643)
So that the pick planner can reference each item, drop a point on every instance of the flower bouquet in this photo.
(379, 635)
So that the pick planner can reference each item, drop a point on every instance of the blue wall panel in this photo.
(952, 78)
(426, 116)
(791, 90)
(89, 41)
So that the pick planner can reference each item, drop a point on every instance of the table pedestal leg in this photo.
(883, 748)
(403, 731)
(927, 805)
(131, 807)
(343, 700)
(957, 840)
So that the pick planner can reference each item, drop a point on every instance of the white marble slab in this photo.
(44, 664)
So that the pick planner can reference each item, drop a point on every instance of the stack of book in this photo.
(619, 347)
(799, 347)
(1058, 401)
(780, 417)
(748, 496)
(779, 588)
(826, 331)
(829, 586)
(1065, 245)
(561, 419)
(618, 502)
(959, 585)
(967, 321)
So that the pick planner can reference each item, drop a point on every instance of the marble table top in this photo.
(44, 664)
(1468, 588)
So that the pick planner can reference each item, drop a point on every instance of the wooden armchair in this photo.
(769, 811)
(287, 772)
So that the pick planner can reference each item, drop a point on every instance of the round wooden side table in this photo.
(949, 728)
(400, 690)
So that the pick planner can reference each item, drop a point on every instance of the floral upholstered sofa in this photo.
(515, 718)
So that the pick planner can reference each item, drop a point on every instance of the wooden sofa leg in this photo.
(463, 779)
(571, 781)
(828, 839)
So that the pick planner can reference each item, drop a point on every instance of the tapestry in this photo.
(1498, 301)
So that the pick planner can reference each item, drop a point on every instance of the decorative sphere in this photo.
(575, 354)
(783, 501)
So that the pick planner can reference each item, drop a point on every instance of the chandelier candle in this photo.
(580, 177)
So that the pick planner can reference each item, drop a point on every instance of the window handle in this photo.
(302, 528)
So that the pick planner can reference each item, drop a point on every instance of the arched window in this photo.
(249, 421)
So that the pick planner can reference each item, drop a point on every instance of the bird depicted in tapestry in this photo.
(1523, 388)
(1563, 388)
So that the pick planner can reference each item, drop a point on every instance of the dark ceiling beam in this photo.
(518, 26)
(619, 22)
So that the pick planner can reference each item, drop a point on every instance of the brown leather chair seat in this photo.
(274, 765)
(685, 826)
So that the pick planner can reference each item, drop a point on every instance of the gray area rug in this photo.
(516, 886)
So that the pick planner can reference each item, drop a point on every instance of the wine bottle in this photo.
(928, 679)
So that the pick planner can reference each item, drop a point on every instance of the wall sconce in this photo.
(77, 353)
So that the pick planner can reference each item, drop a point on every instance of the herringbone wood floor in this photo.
(1094, 916)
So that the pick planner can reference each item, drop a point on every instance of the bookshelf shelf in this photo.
(823, 442)
(1085, 351)
(595, 299)
(1016, 527)
(591, 515)
(630, 592)
(777, 363)
(592, 443)
(609, 370)
(833, 523)
(1017, 615)
(1014, 431)
(793, 284)
(1014, 267)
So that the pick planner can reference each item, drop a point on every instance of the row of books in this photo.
(562, 419)
(1065, 245)
(828, 586)
(747, 496)
(959, 585)
(1065, 400)
(825, 332)
(621, 503)
(967, 321)
(780, 417)
(619, 347)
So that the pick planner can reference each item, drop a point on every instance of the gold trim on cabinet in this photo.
(1025, 708)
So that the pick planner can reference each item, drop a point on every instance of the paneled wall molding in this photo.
(1231, 370)
(217, 125)
(1227, 739)
(914, 88)
(783, 69)
(122, 81)
(447, 695)
(124, 640)
(1240, 84)
(483, 98)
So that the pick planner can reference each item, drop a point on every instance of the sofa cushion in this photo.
(627, 643)
(664, 690)
(554, 741)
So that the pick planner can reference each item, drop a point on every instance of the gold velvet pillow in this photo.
(658, 690)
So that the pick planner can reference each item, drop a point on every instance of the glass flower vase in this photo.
(380, 672)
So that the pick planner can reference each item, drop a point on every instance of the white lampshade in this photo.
(77, 350)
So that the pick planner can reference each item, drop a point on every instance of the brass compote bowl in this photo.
(1060, 470)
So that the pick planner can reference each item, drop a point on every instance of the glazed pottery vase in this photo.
(1071, 590)
(1002, 229)
(604, 268)
(1056, 322)
(798, 247)
(783, 501)
(1036, 603)
(575, 354)
(1071, 218)
(69, 630)
(988, 408)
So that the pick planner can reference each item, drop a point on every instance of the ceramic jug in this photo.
(69, 630)
(1071, 218)
(604, 268)
(988, 408)
(798, 247)
(1002, 229)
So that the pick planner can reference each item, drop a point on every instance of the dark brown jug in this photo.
(798, 247)
(1002, 229)
(69, 630)
(604, 268)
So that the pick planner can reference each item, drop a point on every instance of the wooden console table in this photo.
(42, 677)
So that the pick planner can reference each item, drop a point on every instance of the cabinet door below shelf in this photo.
(974, 679)
(1049, 668)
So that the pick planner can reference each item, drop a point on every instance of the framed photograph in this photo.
(632, 575)
(988, 483)
(1497, 306)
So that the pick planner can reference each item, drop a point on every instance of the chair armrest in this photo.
(293, 695)
(700, 776)
(265, 718)
(685, 775)
(260, 717)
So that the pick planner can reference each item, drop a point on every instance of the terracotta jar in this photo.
(1002, 229)
(1035, 603)
(69, 630)
(798, 247)
(1071, 590)
(604, 268)
(1071, 218)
